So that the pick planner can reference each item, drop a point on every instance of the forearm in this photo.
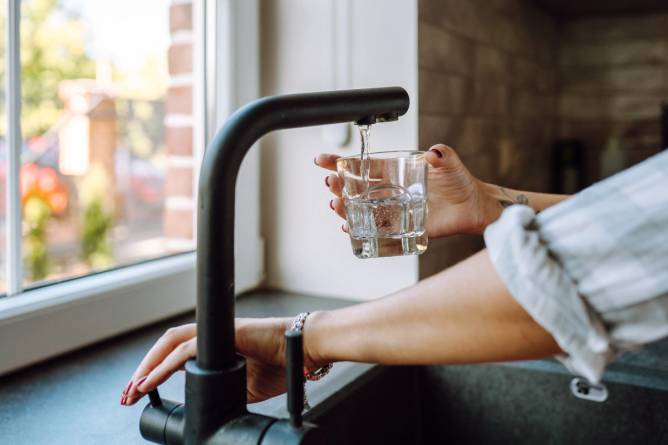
(461, 315)
(504, 197)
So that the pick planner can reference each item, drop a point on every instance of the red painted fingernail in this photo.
(436, 152)
(327, 181)
(331, 204)
(123, 399)
(127, 387)
(343, 227)
(139, 382)
(315, 160)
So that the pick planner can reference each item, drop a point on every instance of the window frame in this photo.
(42, 322)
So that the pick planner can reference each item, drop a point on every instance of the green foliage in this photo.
(97, 223)
(36, 215)
(52, 50)
(97, 220)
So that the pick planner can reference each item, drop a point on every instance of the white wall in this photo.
(310, 45)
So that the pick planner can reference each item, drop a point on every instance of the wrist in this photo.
(314, 355)
(490, 207)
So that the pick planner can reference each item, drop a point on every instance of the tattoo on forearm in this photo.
(519, 199)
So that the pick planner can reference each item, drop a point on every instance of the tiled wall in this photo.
(501, 80)
(613, 78)
(488, 88)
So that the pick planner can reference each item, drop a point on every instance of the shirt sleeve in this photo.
(593, 269)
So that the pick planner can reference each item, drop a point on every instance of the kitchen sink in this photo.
(519, 403)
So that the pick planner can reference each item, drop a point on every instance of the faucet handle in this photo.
(294, 431)
(162, 421)
(154, 398)
(294, 366)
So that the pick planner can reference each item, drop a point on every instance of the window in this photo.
(117, 101)
(3, 151)
(107, 154)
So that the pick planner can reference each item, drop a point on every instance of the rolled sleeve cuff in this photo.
(541, 286)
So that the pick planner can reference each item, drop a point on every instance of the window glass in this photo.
(3, 150)
(106, 175)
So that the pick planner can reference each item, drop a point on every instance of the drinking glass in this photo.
(385, 197)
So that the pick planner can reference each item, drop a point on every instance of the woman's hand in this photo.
(458, 202)
(260, 340)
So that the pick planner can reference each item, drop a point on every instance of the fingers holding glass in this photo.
(338, 207)
(326, 161)
(335, 185)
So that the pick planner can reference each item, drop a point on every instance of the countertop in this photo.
(74, 399)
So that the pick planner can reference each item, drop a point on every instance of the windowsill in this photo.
(75, 398)
(62, 317)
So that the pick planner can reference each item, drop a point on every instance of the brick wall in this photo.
(613, 77)
(487, 87)
(179, 190)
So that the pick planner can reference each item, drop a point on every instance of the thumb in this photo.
(442, 156)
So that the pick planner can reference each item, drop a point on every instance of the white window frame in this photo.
(36, 324)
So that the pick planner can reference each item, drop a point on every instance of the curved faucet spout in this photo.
(217, 185)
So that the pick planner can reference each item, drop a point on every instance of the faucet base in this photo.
(245, 430)
(282, 432)
(213, 398)
(163, 423)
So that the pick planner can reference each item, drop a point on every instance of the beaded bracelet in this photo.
(298, 325)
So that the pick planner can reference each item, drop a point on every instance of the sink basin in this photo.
(520, 403)
(534, 404)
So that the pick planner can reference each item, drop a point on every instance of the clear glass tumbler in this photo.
(385, 196)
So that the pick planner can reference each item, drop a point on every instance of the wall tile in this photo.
(462, 17)
(443, 51)
(491, 64)
(467, 135)
(592, 132)
(619, 52)
(619, 107)
(436, 129)
(443, 93)
(488, 99)
(529, 74)
(481, 165)
(625, 106)
(614, 79)
(574, 105)
(529, 144)
(531, 103)
(616, 28)
(479, 135)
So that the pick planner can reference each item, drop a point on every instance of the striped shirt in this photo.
(593, 269)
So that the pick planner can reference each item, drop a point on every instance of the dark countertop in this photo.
(74, 398)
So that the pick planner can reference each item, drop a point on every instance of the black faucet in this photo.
(215, 401)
